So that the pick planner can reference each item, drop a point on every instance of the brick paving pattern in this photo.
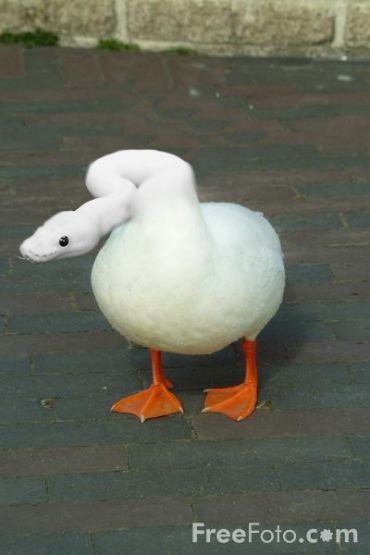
(290, 138)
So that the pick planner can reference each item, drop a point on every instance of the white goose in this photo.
(175, 275)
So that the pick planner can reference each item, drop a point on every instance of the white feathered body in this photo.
(190, 278)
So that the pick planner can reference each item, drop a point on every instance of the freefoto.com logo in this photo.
(253, 533)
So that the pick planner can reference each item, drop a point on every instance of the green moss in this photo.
(115, 44)
(182, 50)
(30, 38)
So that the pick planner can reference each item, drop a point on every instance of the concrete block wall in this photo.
(330, 28)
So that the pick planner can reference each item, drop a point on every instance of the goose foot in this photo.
(236, 402)
(152, 402)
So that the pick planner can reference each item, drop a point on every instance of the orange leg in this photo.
(163, 378)
(154, 401)
(239, 401)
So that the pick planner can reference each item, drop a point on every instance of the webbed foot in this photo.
(152, 402)
(236, 402)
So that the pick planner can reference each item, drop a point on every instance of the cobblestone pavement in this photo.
(290, 138)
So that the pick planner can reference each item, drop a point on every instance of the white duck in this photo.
(175, 275)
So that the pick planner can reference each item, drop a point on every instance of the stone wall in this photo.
(229, 27)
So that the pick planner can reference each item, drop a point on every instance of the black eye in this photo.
(63, 241)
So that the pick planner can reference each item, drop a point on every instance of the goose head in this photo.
(64, 235)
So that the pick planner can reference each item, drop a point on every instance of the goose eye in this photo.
(63, 241)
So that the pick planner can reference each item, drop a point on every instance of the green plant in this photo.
(115, 44)
(182, 50)
(30, 38)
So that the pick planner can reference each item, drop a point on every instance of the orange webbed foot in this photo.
(152, 402)
(236, 402)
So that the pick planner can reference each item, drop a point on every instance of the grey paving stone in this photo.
(348, 309)
(330, 292)
(333, 190)
(91, 407)
(94, 130)
(192, 400)
(48, 518)
(43, 66)
(304, 273)
(14, 365)
(238, 454)
(20, 231)
(333, 395)
(285, 423)
(55, 277)
(126, 485)
(98, 361)
(20, 409)
(361, 445)
(360, 372)
(59, 544)
(292, 222)
(62, 460)
(117, 429)
(295, 331)
(358, 219)
(301, 374)
(65, 106)
(283, 506)
(69, 322)
(30, 303)
(303, 112)
(154, 482)
(358, 330)
(19, 173)
(22, 490)
(25, 139)
(3, 266)
(58, 342)
(313, 351)
(324, 476)
(251, 477)
(59, 385)
(160, 539)
(12, 61)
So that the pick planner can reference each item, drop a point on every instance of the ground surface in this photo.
(289, 138)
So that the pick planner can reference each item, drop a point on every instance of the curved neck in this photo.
(139, 183)
(109, 212)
